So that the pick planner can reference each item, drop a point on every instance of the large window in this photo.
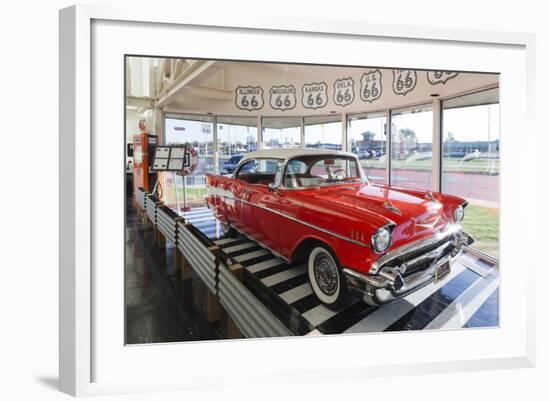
(367, 139)
(281, 132)
(236, 136)
(471, 162)
(196, 131)
(411, 147)
(323, 132)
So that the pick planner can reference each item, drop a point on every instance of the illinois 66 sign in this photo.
(249, 97)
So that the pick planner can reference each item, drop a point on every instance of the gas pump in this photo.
(144, 152)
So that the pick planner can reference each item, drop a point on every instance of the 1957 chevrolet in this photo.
(375, 241)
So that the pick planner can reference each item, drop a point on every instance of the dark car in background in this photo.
(230, 165)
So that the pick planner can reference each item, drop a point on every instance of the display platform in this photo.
(468, 297)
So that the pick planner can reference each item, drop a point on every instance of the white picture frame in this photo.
(92, 363)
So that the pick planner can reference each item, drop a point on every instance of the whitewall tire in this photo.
(325, 277)
(227, 230)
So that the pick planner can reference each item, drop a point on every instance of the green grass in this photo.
(195, 195)
(482, 224)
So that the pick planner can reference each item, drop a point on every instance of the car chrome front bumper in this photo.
(395, 280)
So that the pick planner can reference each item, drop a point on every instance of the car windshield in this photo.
(313, 171)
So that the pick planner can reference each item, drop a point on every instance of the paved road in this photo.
(466, 185)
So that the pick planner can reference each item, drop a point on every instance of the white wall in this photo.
(29, 281)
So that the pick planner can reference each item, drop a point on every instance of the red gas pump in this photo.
(144, 152)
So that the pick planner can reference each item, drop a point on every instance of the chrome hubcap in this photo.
(225, 228)
(326, 274)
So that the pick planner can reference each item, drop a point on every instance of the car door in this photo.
(237, 215)
(261, 205)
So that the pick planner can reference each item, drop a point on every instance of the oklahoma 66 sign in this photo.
(249, 97)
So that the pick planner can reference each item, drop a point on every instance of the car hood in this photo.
(414, 213)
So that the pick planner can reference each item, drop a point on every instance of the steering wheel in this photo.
(343, 171)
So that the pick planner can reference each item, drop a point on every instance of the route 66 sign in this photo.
(191, 161)
(371, 86)
(343, 91)
(249, 97)
(282, 97)
(440, 77)
(404, 81)
(314, 95)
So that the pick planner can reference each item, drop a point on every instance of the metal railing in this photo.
(215, 269)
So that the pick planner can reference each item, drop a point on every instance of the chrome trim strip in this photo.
(453, 229)
(306, 224)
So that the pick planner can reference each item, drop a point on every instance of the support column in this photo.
(259, 134)
(388, 146)
(345, 141)
(158, 121)
(436, 146)
(302, 133)
(215, 145)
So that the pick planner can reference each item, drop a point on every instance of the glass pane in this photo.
(367, 139)
(471, 164)
(312, 171)
(323, 132)
(411, 159)
(197, 132)
(236, 136)
(281, 132)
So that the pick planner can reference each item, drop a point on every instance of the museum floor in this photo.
(160, 307)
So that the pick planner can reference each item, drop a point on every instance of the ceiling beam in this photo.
(209, 93)
(191, 73)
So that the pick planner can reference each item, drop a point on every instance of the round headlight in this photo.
(381, 240)
(459, 214)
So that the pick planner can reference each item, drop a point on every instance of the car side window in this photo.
(260, 171)
(246, 169)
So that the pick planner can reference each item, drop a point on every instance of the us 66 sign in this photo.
(249, 97)
(314, 95)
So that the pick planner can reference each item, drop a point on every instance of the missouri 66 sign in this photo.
(314, 95)
(249, 97)
(282, 97)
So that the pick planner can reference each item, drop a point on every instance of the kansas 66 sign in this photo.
(314, 95)
(249, 97)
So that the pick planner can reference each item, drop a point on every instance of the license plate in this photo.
(441, 271)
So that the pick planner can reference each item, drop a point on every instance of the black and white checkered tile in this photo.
(468, 297)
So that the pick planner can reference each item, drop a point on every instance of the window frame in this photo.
(282, 178)
(243, 162)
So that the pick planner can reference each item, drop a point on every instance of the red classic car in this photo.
(317, 206)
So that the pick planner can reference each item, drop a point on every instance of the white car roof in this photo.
(286, 154)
